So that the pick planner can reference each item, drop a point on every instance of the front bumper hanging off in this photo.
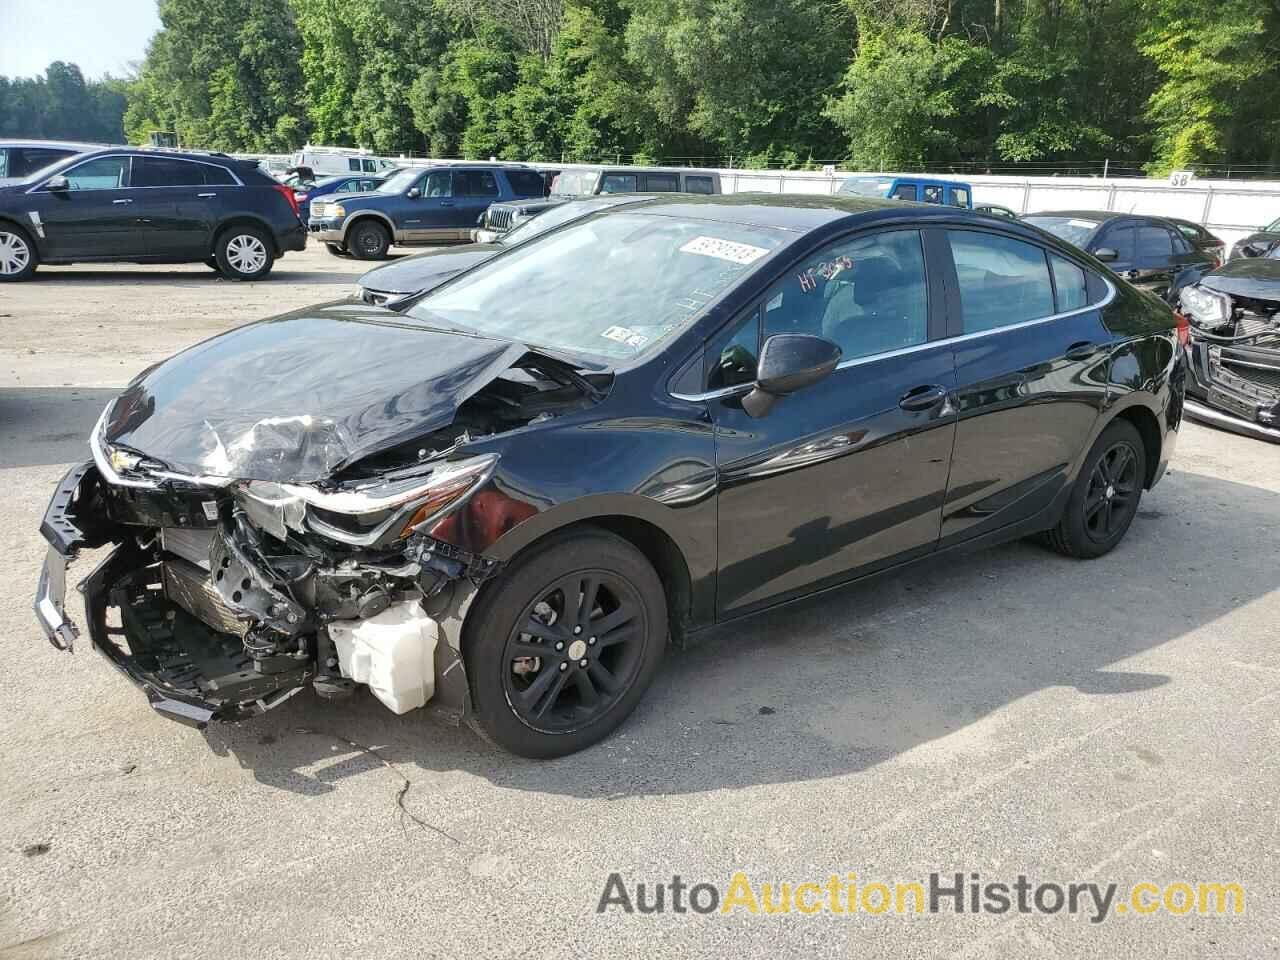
(1235, 388)
(189, 672)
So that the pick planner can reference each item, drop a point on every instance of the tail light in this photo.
(1184, 329)
(288, 194)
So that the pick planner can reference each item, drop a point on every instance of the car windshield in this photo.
(866, 187)
(399, 182)
(611, 286)
(1273, 227)
(575, 183)
(542, 222)
(1074, 230)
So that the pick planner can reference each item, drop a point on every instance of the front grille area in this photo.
(498, 219)
(1267, 378)
(190, 588)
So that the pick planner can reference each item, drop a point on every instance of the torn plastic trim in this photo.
(444, 490)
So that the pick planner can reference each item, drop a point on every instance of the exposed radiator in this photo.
(190, 588)
(190, 545)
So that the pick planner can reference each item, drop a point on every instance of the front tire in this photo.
(562, 647)
(336, 249)
(243, 253)
(1106, 494)
(369, 240)
(18, 257)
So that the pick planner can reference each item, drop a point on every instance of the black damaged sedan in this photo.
(508, 500)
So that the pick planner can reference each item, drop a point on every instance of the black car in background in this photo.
(412, 275)
(511, 497)
(1215, 248)
(1147, 251)
(149, 206)
(1234, 374)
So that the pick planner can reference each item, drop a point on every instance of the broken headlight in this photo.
(368, 513)
(1205, 308)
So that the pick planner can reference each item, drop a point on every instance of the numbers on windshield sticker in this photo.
(742, 253)
(625, 335)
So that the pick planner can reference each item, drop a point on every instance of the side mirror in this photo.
(56, 184)
(414, 193)
(789, 362)
(1106, 254)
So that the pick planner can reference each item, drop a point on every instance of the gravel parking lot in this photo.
(1012, 712)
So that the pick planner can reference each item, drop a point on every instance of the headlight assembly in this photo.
(370, 513)
(1205, 308)
(337, 210)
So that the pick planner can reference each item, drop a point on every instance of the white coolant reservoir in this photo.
(393, 652)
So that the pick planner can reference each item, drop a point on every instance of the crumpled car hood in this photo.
(411, 274)
(1257, 278)
(300, 396)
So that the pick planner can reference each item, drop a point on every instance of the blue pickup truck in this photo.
(952, 193)
(440, 203)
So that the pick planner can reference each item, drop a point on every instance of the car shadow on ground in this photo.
(46, 425)
(846, 680)
(193, 277)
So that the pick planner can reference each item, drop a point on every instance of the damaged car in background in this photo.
(506, 500)
(1234, 369)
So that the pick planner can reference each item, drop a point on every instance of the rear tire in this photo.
(588, 597)
(369, 240)
(1106, 494)
(18, 256)
(243, 253)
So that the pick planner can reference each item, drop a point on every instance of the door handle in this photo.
(1082, 350)
(446, 203)
(206, 195)
(122, 201)
(922, 398)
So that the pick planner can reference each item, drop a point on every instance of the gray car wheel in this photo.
(17, 255)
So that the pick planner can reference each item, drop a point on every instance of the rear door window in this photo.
(933, 194)
(353, 164)
(905, 191)
(1154, 244)
(699, 184)
(660, 183)
(1003, 281)
(959, 197)
(165, 172)
(526, 183)
(477, 183)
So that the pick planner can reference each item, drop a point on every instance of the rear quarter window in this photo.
(1002, 281)
(526, 183)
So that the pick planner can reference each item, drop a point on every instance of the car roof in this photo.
(801, 212)
(75, 144)
(1101, 215)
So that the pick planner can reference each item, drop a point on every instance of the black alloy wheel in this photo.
(575, 652)
(1113, 485)
(561, 645)
(1104, 499)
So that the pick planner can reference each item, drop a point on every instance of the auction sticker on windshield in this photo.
(743, 253)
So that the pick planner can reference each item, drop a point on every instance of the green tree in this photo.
(1218, 73)
(222, 75)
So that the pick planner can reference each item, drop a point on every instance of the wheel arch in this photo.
(360, 215)
(245, 220)
(1148, 427)
(24, 229)
(664, 553)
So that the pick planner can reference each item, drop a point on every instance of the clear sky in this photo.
(103, 36)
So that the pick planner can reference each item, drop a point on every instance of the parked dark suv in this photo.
(147, 206)
(640, 425)
(419, 205)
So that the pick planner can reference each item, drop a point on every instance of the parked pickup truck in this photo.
(420, 205)
(574, 183)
